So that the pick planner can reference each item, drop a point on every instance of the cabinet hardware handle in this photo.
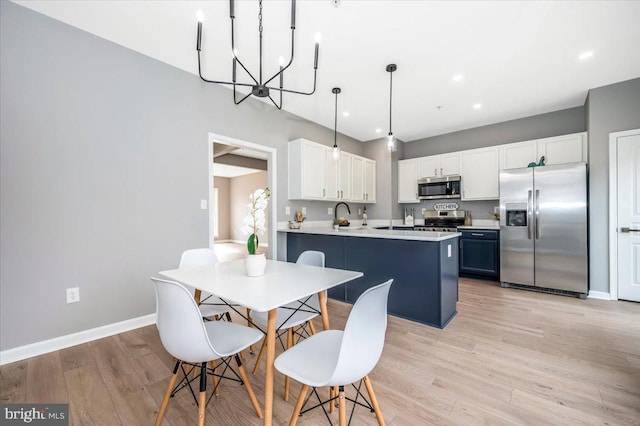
(477, 235)
(624, 229)
(341, 194)
(435, 172)
(440, 171)
(323, 192)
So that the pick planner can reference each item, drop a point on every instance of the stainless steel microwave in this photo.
(434, 188)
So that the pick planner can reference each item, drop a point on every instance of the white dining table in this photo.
(282, 283)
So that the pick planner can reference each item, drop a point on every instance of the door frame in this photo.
(271, 183)
(613, 209)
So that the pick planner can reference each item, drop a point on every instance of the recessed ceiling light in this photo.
(378, 130)
(477, 106)
(586, 55)
(458, 77)
(345, 114)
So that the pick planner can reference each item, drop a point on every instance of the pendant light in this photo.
(336, 148)
(392, 143)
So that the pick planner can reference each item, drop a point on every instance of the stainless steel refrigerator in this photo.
(543, 227)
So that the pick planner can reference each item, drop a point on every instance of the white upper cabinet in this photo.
(345, 176)
(440, 165)
(516, 155)
(480, 174)
(306, 170)
(332, 175)
(556, 150)
(357, 181)
(408, 181)
(315, 175)
(369, 181)
(563, 149)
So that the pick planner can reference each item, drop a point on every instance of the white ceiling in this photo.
(518, 58)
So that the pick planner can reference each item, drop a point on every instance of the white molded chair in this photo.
(338, 358)
(295, 316)
(194, 343)
(210, 306)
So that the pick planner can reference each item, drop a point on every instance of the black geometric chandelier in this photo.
(260, 86)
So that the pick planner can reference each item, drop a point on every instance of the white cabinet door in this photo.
(332, 176)
(563, 149)
(428, 166)
(408, 181)
(357, 178)
(439, 165)
(480, 174)
(449, 164)
(313, 169)
(369, 181)
(517, 155)
(344, 172)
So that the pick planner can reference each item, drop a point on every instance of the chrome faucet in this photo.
(335, 209)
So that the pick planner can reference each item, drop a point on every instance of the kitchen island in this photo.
(424, 266)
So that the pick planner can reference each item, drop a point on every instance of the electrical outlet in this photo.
(329, 211)
(73, 295)
(304, 211)
(359, 212)
(423, 210)
(203, 204)
(287, 210)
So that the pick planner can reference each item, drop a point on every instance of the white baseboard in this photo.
(57, 343)
(599, 295)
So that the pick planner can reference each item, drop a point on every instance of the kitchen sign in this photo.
(446, 206)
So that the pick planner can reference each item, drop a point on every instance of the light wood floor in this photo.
(509, 357)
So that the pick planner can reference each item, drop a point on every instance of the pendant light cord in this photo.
(335, 124)
(390, 97)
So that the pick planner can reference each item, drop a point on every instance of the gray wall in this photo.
(104, 161)
(240, 188)
(535, 127)
(610, 109)
(224, 210)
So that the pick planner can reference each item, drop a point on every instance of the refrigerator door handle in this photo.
(537, 214)
(529, 213)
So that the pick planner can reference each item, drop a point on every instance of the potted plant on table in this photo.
(254, 225)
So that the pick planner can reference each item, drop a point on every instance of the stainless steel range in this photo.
(442, 220)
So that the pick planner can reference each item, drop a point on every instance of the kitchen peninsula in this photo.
(424, 266)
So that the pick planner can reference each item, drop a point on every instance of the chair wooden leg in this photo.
(312, 327)
(287, 380)
(299, 402)
(374, 400)
(333, 392)
(214, 364)
(342, 407)
(167, 394)
(251, 351)
(202, 398)
(247, 384)
(264, 345)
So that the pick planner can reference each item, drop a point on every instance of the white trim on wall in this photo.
(271, 183)
(62, 342)
(599, 295)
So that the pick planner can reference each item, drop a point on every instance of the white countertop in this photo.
(367, 232)
(490, 227)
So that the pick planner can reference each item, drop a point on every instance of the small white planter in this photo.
(255, 264)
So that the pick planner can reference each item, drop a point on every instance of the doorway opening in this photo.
(236, 169)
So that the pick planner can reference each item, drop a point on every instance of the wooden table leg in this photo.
(196, 296)
(322, 298)
(271, 355)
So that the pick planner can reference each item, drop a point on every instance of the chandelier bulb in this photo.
(200, 16)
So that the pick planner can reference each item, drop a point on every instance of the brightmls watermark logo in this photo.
(36, 414)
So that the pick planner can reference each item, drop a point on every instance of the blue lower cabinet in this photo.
(480, 254)
(425, 273)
